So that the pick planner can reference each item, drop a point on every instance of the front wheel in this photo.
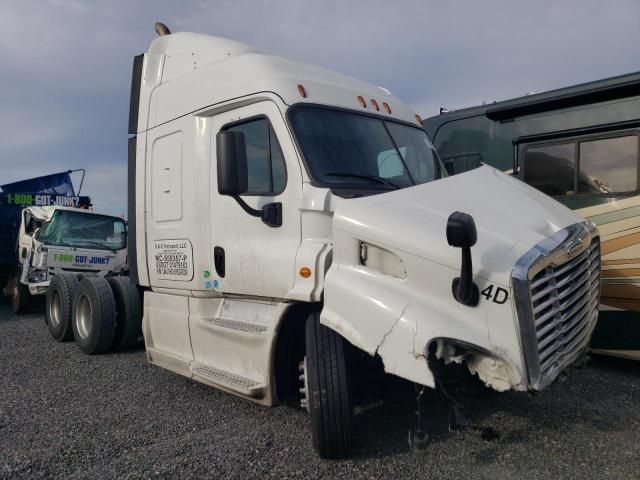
(327, 390)
(20, 296)
(58, 306)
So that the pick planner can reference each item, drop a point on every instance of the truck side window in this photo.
(609, 165)
(265, 161)
(551, 168)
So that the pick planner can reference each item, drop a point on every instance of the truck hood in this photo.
(510, 217)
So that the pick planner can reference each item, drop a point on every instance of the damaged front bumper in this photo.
(522, 342)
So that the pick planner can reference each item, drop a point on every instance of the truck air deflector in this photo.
(131, 211)
(134, 99)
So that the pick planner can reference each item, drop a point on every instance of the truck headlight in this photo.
(39, 276)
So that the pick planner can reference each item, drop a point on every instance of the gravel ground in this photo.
(65, 414)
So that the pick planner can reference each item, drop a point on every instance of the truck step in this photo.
(227, 378)
(241, 326)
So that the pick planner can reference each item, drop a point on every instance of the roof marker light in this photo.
(418, 119)
(375, 104)
(302, 91)
(363, 104)
(386, 106)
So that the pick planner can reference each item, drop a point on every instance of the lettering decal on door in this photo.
(173, 259)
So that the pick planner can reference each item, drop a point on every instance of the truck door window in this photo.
(609, 165)
(551, 168)
(265, 162)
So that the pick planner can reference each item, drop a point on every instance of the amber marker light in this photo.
(375, 104)
(386, 107)
(363, 104)
(418, 119)
(302, 91)
(305, 272)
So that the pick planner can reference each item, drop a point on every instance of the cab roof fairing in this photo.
(188, 72)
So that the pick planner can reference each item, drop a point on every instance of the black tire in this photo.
(328, 393)
(128, 313)
(20, 297)
(59, 304)
(94, 315)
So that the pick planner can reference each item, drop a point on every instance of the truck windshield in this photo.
(349, 150)
(84, 230)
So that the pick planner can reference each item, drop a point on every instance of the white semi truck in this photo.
(54, 240)
(281, 213)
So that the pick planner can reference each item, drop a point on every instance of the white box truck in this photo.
(282, 213)
(53, 240)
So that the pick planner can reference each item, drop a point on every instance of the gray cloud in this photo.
(66, 63)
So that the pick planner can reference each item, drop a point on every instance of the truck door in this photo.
(25, 239)
(250, 257)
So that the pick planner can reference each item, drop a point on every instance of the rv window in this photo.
(265, 162)
(551, 168)
(609, 165)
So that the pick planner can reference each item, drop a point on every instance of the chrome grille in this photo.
(557, 288)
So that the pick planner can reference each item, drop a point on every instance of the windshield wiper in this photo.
(375, 178)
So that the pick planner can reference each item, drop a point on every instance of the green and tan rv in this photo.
(580, 145)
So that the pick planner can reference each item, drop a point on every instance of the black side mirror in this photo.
(462, 233)
(231, 152)
(233, 176)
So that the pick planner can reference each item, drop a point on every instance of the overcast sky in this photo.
(66, 64)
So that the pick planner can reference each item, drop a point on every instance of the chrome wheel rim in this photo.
(55, 307)
(84, 316)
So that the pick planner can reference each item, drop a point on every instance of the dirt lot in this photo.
(64, 414)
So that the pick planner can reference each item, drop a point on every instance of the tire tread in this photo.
(329, 396)
(98, 290)
(67, 285)
(128, 313)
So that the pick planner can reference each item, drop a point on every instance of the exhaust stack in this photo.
(162, 29)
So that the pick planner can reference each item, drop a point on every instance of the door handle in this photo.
(218, 260)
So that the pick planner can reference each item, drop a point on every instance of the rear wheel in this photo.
(128, 313)
(327, 390)
(94, 315)
(59, 304)
(20, 296)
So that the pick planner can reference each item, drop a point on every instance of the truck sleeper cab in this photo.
(282, 214)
